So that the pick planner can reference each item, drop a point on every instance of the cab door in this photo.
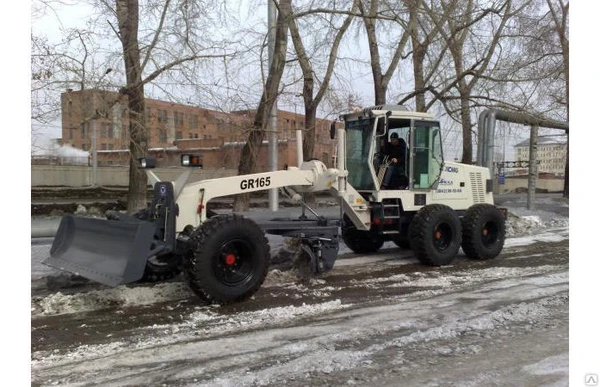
(426, 154)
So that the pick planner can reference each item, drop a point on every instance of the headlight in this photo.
(147, 162)
(191, 160)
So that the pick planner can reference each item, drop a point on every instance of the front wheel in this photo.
(483, 231)
(229, 260)
(435, 234)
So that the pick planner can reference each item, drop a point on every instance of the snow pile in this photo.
(531, 224)
(121, 296)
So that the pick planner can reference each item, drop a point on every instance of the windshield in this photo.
(358, 145)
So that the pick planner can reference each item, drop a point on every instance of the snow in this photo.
(450, 312)
(523, 228)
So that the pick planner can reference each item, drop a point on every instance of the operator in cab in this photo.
(395, 175)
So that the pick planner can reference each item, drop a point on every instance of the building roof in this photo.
(558, 139)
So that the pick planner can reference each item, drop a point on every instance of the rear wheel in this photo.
(483, 231)
(359, 241)
(229, 259)
(435, 235)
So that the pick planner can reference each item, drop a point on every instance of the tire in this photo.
(435, 235)
(359, 241)
(163, 268)
(483, 231)
(229, 259)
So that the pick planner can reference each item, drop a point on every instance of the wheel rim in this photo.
(442, 236)
(489, 233)
(233, 264)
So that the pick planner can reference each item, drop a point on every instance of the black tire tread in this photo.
(199, 279)
(420, 235)
(359, 241)
(471, 224)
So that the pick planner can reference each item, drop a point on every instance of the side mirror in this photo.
(147, 162)
(188, 160)
(332, 130)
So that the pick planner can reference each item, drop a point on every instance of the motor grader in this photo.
(434, 207)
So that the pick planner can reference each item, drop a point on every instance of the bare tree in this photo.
(426, 57)
(560, 16)
(456, 20)
(257, 131)
(127, 14)
(310, 77)
(381, 78)
(58, 66)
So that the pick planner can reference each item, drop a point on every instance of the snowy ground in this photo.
(376, 320)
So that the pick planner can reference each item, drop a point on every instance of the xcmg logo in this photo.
(451, 169)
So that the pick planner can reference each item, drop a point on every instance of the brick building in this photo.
(551, 154)
(176, 128)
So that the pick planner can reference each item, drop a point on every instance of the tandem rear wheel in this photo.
(435, 235)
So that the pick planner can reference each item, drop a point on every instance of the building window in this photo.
(163, 116)
(193, 121)
(162, 136)
(70, 109)
(195, 135)
(178, 135)
(71, 130)
(111, 130)
(178, 119)
(103, 130)
(85, 130)
(103, 147)
(111, 147)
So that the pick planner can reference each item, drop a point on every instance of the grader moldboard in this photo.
(434, 207)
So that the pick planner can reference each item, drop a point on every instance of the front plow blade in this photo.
(111, 252)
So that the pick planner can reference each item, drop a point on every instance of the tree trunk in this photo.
(465, 118)
(418, 56)
(250, 151)
(128, 19)
(308, 144)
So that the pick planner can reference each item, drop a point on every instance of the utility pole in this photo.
(94, 152)
(533, 169)
(273, 150)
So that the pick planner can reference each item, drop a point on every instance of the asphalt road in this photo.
(378, 320)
